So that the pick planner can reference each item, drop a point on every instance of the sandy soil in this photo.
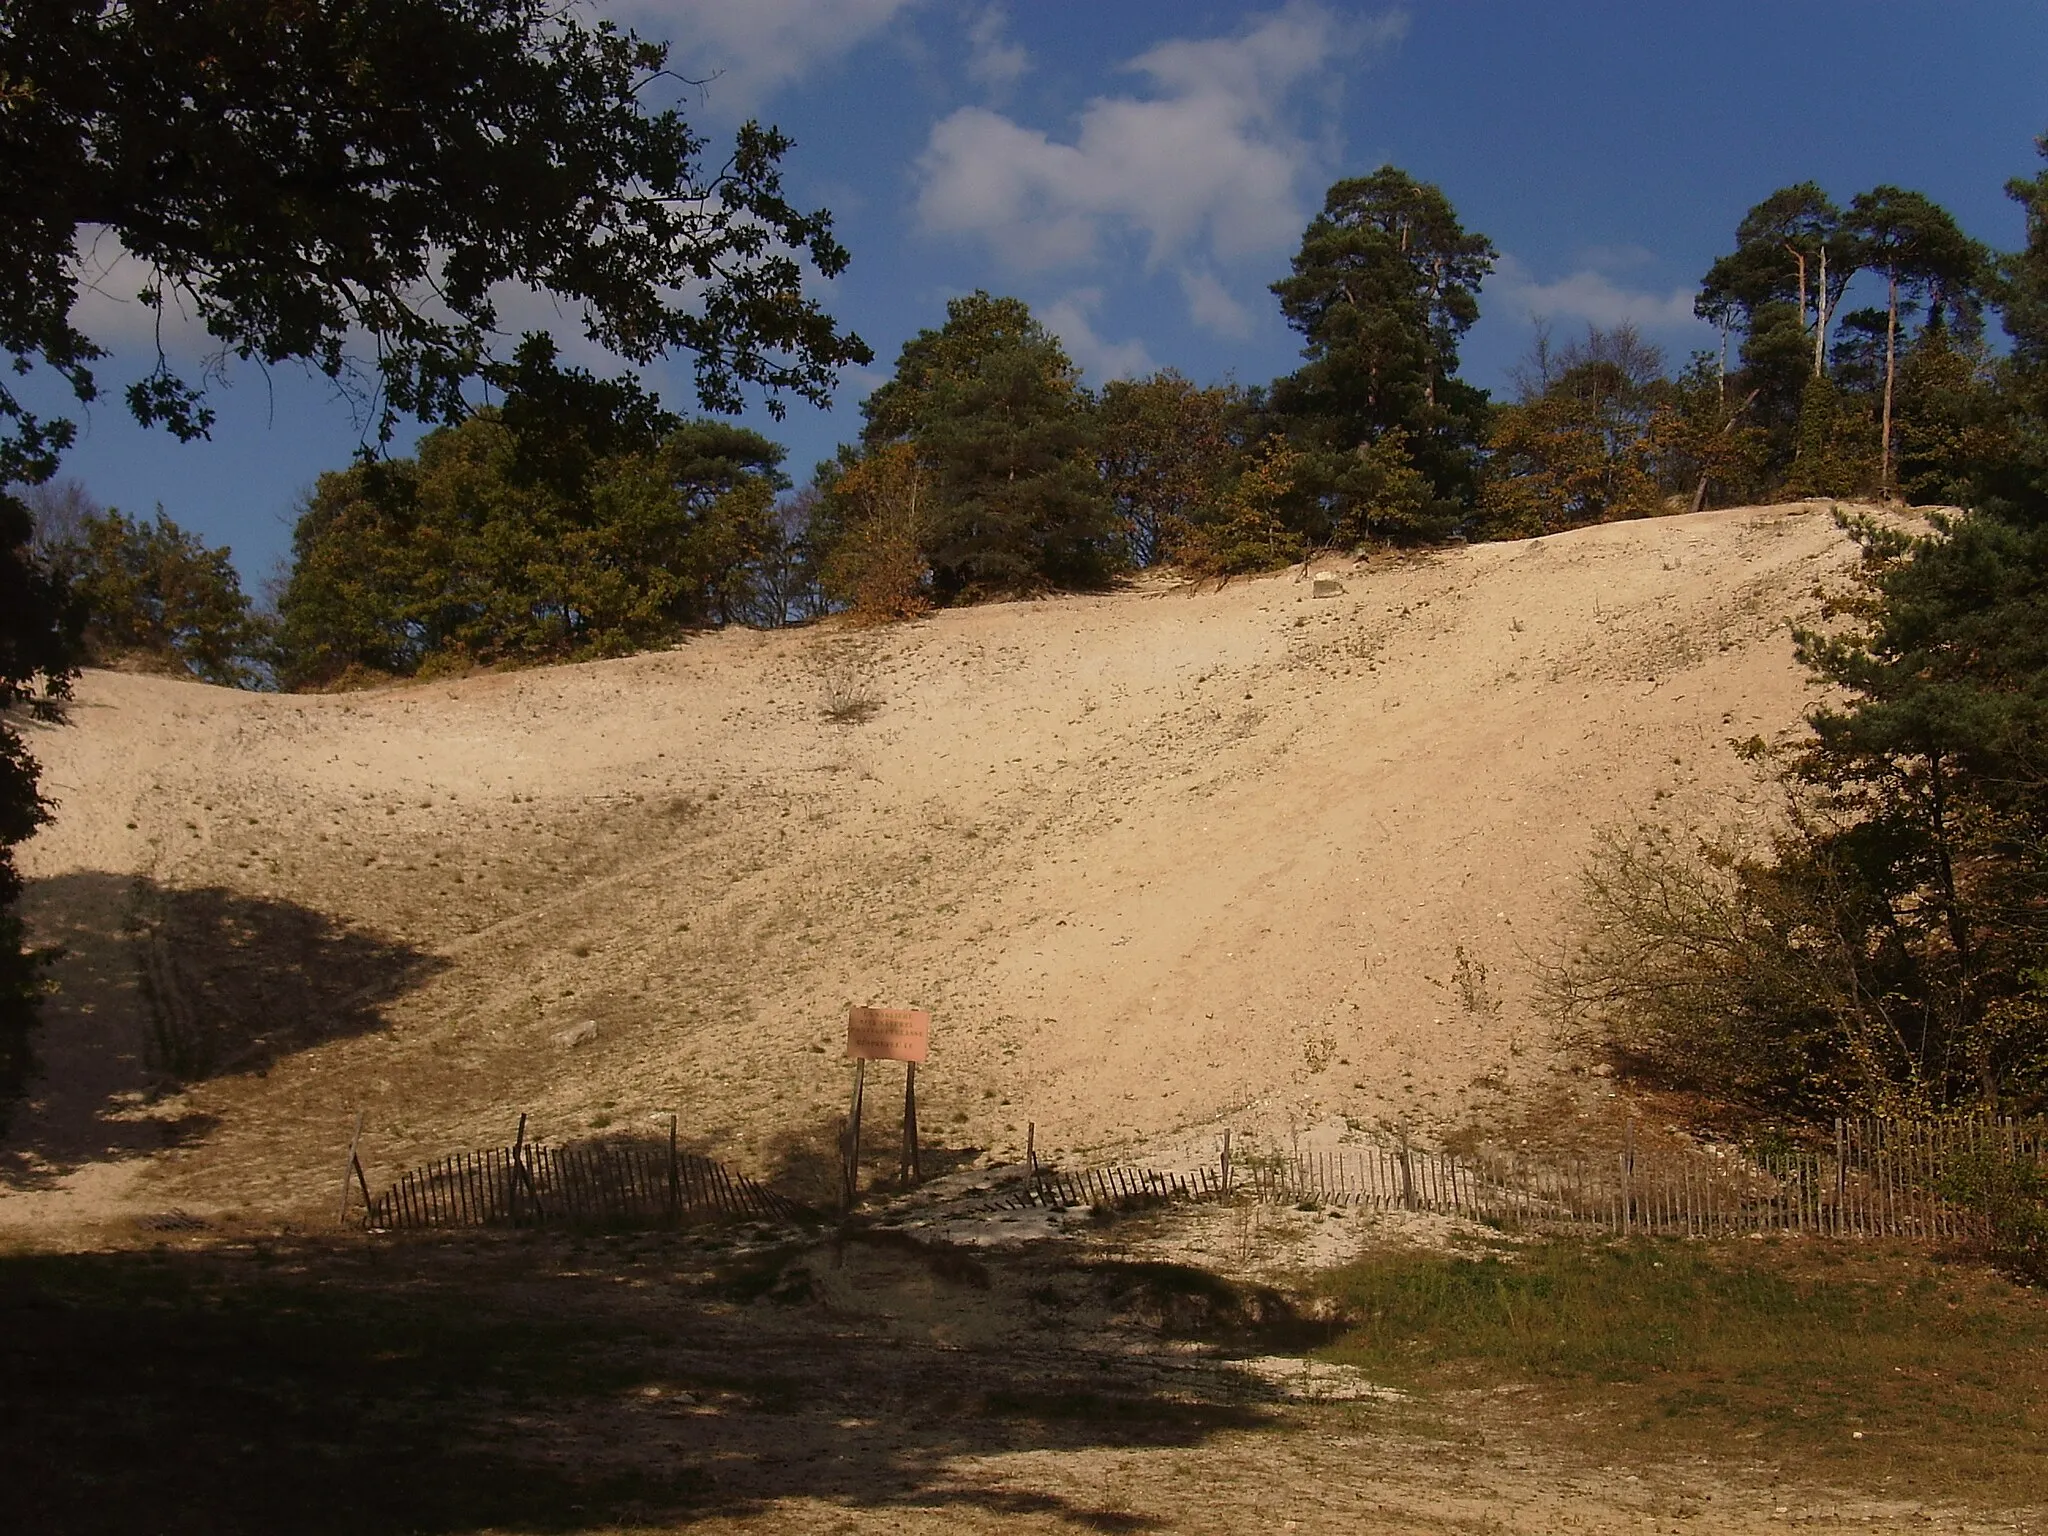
(1161, 862)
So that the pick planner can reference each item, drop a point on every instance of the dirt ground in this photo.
(1038, 1380)
(1161, 862)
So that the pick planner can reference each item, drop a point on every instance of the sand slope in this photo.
(1159, 861)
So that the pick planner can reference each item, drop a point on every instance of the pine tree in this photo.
(1385, 284)
(995, 410)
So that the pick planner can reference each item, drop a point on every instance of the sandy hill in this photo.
(1159, 861)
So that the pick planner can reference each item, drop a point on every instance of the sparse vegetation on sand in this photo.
(1882, 1368)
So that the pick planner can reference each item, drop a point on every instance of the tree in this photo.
(1834, 444)
(1385, 284)
(995, 412)
(1887, 948)
(872, 515)
(38, 650)
(1245, 532)
(1915, 243)
(1781, 287)
(978, 327)
(1793, 246)
(151, 591)
(295, 175)
(788, 581)
(59, 509)
(1580, 444)
(1167, 450)
(2020, 281)
(489, 547)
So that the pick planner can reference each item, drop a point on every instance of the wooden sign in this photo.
(887, 1034)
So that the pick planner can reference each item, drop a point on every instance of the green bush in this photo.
(2012, 1197)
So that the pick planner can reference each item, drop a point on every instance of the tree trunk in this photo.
(1891, 346)
(1820, 317)
(1959, 936)
(1800, 257)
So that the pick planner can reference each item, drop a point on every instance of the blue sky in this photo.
(1139, 172)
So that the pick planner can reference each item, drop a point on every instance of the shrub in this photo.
(2012, 1197)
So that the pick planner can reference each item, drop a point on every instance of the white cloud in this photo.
(1208, 167)
(1588, 295)
(1211, 305)
(1069, 319)
(992, 59)
(108, 310)
(754, 46)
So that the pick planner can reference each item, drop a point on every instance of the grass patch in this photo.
(1887, 1368)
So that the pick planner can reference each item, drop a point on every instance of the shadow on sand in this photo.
(161, 986)
(548, 1382)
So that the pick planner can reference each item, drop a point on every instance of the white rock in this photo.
(1328, 586)
(582, 1034)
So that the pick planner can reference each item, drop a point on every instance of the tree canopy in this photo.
(151, 592)
(1383, 288)
(486, 547)
(295, 176)
(995, 413)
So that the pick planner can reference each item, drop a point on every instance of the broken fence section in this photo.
(1878, 1178)
(584, 1183)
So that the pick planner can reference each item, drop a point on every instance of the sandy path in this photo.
(1160, 861)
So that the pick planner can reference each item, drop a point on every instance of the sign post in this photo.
(883, 1034)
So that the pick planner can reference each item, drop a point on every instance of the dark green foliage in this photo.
(2020, 282)
(1823, 387)
(1384, 286)
(1780, 288)
(1244, 529)
(995, 413)
(38, 656)
(1933, 770)
(294, 175)
(1955, 416)
(1835, 450)
(1793, 248)
(1925, 260)
(1888, 950)
(497, 544)
(978, 327)
(155, 593)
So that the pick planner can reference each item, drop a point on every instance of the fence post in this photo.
(1628, 1175)
(675, 1186)
(1842, 1170)
(353, 1168)
(850, 1181)
(1226, 1165)
(1407, 1174)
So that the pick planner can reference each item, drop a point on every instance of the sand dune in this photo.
(1159, 861)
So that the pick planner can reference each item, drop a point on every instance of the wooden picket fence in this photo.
(586, 1183)
(1878, 1178)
